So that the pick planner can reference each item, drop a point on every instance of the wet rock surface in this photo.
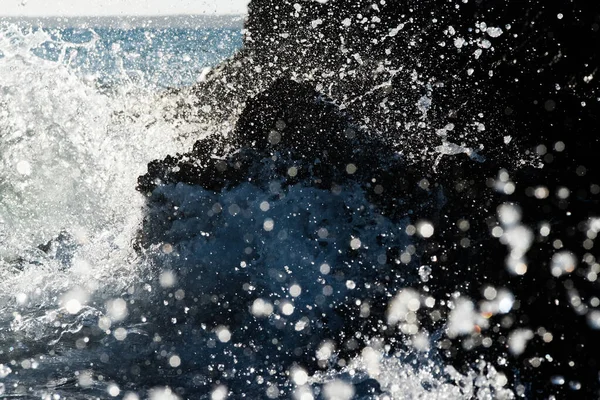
(298, 135)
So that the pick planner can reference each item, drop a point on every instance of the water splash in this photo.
(70, 155)
(71, 151)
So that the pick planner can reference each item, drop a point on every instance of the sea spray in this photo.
(68, 203)
(94, 311)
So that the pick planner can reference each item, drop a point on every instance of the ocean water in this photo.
(154, 57)
(85, 314)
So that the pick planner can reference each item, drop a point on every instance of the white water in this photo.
(70, 156)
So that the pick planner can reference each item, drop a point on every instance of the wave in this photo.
(75, 291)
(297, 231)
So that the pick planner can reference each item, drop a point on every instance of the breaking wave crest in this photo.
(88, 314)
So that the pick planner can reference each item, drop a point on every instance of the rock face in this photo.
(297, 206)
(301, 136)
(327, 95)
(288, 140)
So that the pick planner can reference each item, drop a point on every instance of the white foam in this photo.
(69, 160)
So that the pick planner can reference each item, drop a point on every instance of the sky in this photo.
(64, 8)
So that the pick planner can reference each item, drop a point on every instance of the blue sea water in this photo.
(161, 57)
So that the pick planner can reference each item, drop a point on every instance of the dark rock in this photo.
(378, 60)
(292, 126)
(295, 138)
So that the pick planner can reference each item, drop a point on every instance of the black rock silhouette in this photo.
(291, 126)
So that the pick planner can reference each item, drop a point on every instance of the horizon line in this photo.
(132, 21)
